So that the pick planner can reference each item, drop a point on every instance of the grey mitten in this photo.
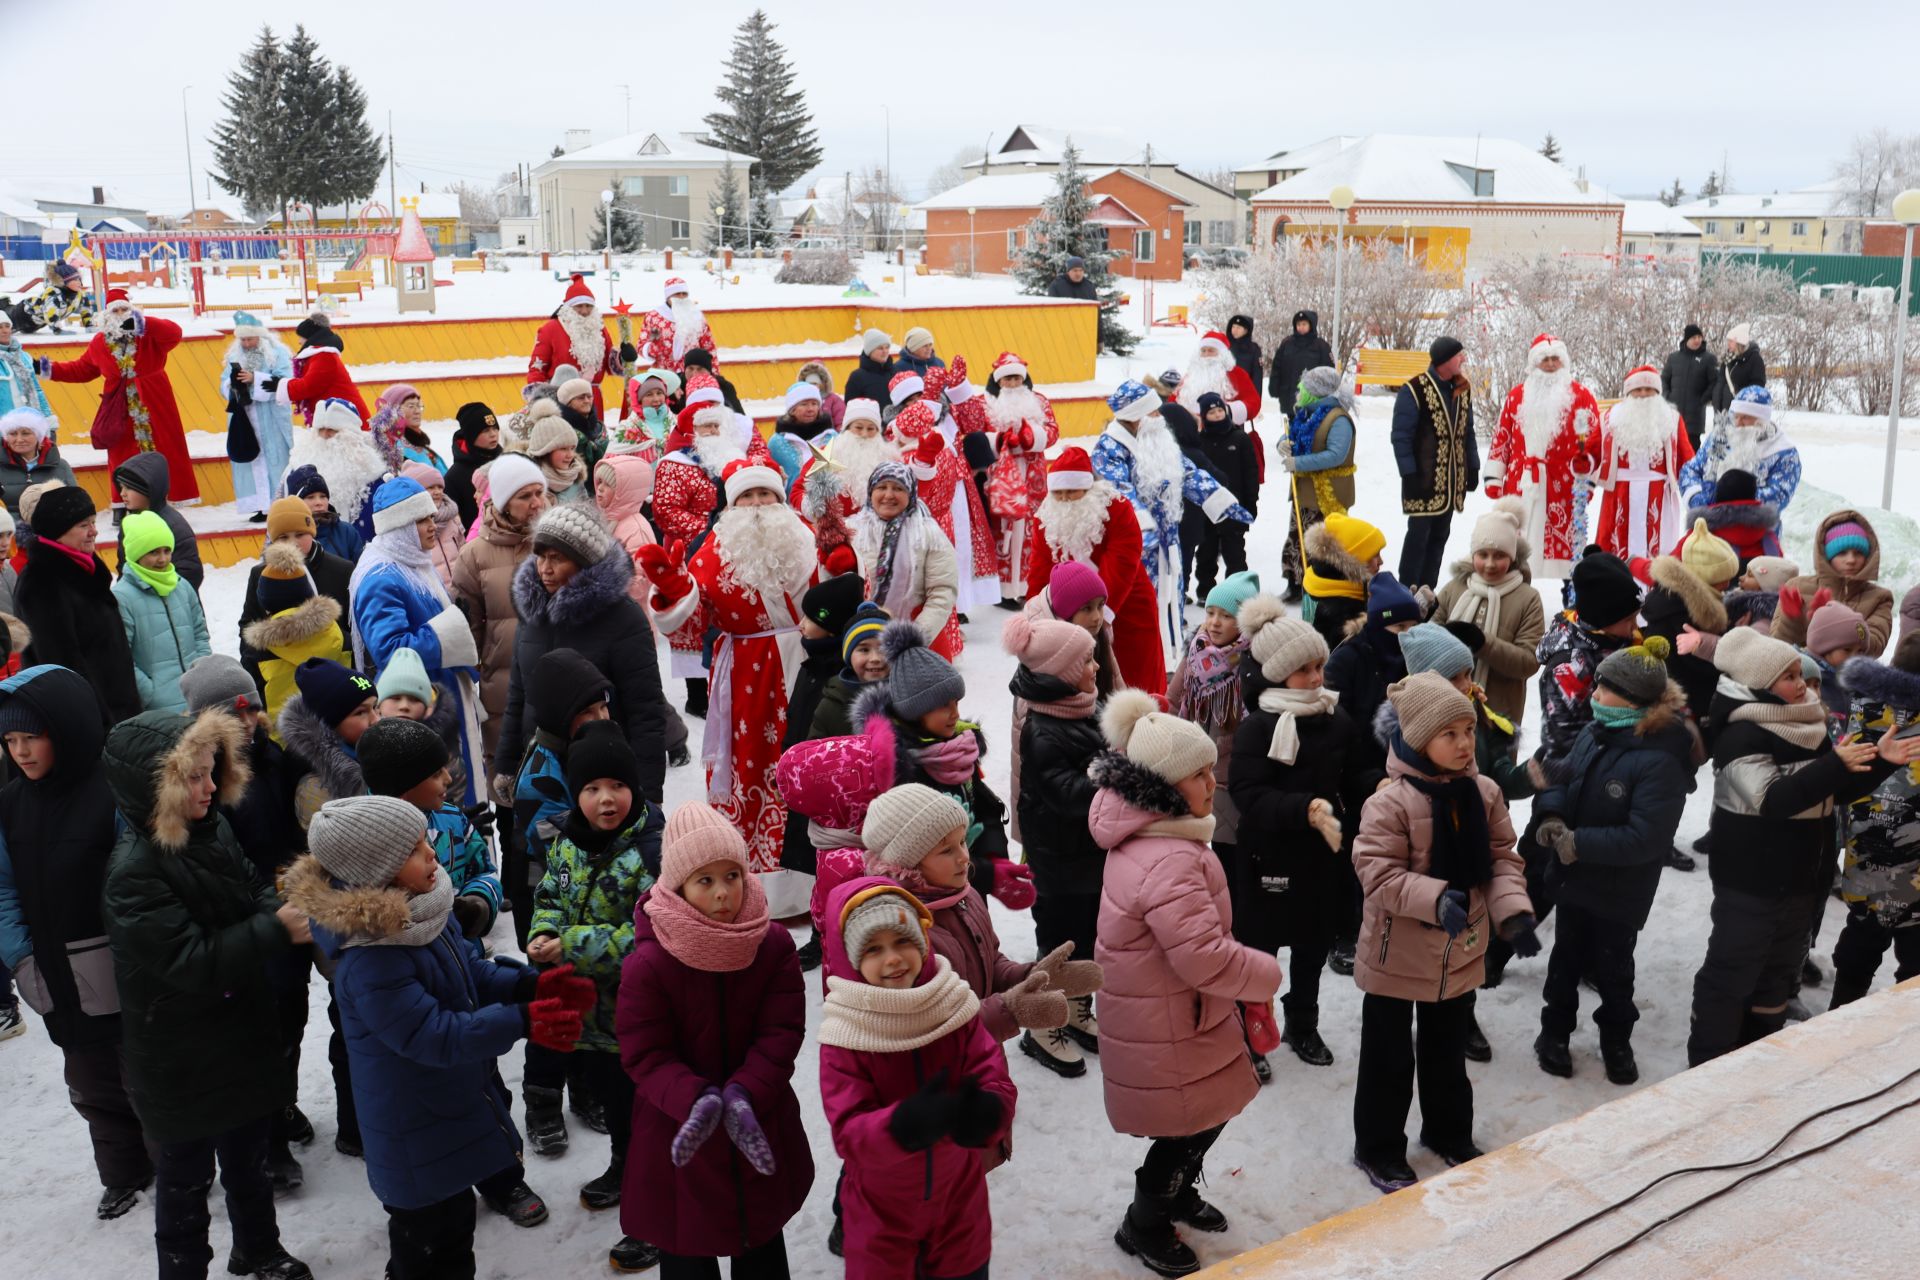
(1034, 1004)
(1072, 978)
(1556, 835)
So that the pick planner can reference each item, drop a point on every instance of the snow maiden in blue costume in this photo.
(399, 603)
(257, 482)
(1746, 439)
(1138, 456)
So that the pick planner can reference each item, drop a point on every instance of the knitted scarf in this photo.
(1802, 724)
(560, 480)
(1308, 414)
(427, 915)
(1479, 595)
(163, 581)
(1077, 705)
(123, 348)
(950, 761)
(1210, 696)
(868, 1019)
(20, 371)
(700, 942)
(899, 540)
(1462, 852)
(1289, 705)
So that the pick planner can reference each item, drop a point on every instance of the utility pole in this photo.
(627, 89)
(187, 131)
(393, 200)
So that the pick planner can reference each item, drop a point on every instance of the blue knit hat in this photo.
(1132, 400)
(1431, 647)
(398, 503)
(1234, 590)
(330, 690)
(1388, 602)
(306, 480)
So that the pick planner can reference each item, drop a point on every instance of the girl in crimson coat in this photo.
(137, 412)
(577, 335)
(711, 1016)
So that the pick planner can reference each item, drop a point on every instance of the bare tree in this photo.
(1218, 175)
(953, 172)
(1385, 297)
(1877, 166)
(877, 201)
(479, 206)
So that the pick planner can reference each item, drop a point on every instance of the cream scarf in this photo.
(1187, 828)
(1803, 724)
(1290, 705)
(1481, 594)
(870, 1019)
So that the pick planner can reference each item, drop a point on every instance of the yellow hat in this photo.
(1362, 540)
(1712, 558)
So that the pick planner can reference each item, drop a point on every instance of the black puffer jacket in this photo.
(1687, 382)
(1748, 369)
(1360, 668)
(331, 576)
(1297, 353)
(1233, 458)
(147, 475)
(868, 380)
(76, 623)
(467, 459)
(1055, 792)
(264, 820)
(1246, 352)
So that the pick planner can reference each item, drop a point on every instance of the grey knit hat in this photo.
(904, 824)
(1638, 673)
(1426, 704)
(895, 910)
(1321, 382)
(1431, 647)
(218, 680)
(363, 841)
(1281, 645)
(575, 532)
(920, 680)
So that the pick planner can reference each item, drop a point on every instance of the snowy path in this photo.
(1281, 1165)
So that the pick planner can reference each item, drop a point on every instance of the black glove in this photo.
(925, 1118)
(269, 385)
(474, 915)
(977, 1114)
(481, 816)
(43, 365)
(1518, 932)
(628, 353)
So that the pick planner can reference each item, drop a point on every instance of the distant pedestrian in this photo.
(1688, 381)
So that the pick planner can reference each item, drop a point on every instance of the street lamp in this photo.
(971, 210)
(1906, 210)
(606, 215)
(187, 130)
(1341, 198)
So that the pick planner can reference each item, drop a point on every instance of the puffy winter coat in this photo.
(1296, 354)
(338, 537)
(1861, 594)
(1235, 459)
(311, 629)
(1510, 658)
(147, 475)
(1339, 605)
(933, 582)
(467, 459)
(265, 820)
(194, 938)
(1623, 797)
(869, 379)
(1174, 1058)
(984, 808)
(332, 771)
(449, 536)
(424, 1027)
(1687, 382)
(483, 588)
(963, 932)
(55, 838)
(623, 485)
(18, 474)
(1882, 866)
(1055, 794)
(332, 577)
(1403, 952)
(1360, 669)
(833, 717)
(586, 900)
(1748, 369)
(75, 622)
(1570, 657)
(1748, 525)
(165, 634)
(682, 1030)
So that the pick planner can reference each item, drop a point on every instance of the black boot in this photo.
(697, 698)
(283, 1169)
(1758, 1026)
(809, 954)
(546, 1125)
(1475, 1046)
(1555, 1058)
(293, 1126)
(1190, 1210)
(1386, 1173)
(518, 1205)
(1846, 990)
(115, 1202)
(1262, 1069)
(276, 1264)
(1295, 593)
(1679, 861)
(587, 1107)
(604, 1191)
(1302, 1035)
(1454, 1153)
(632, 1255)
(1340, 958)
(1810, 975)
(1704, 844)
(1146, 1232)
(1616, 1051)
(837, 1239)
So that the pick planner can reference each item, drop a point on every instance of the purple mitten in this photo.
(746, 1133)
(701, 1122)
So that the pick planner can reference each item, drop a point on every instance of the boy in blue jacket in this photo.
(407, 760)
(425, 1017)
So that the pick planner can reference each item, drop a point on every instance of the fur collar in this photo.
(1705, 609)
(214, 730)
(302, 622)
(1736, 515)
(593, 591)
(1882, 683)
(302, 733)
(872, 717)
(363, 912)
(1140, 787)
(1322, 546)
(873, 700)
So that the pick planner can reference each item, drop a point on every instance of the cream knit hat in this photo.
(1281, 645)
(549, 434)
(1160, 743)
(1427, 703)
(1748, 658)
(904, 824)
(695, 835)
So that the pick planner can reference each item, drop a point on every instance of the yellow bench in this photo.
(1380, 367)
(244, 271)
(468, 264)
(360, 277)
(341, 288)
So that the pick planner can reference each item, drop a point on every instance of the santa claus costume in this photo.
(1747, 438)
(1139, 457)
(1643, 446)
(744, 584)
(675, 327)
(137, 413)
(582, 341)
(1098, 527)
(1213, 369)
(1548, 437)
(924, 434)
(960, 410)
(320, 373)
(1023, 427)
(833, 484)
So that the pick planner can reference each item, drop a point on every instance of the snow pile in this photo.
(1899, 534)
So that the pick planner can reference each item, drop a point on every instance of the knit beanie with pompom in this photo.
(1162, 744)
(1047, 647)
(903, 825)
(920, 680)
(1637, 673)
(1281, 645)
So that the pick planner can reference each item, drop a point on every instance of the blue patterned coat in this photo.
(1776, 475)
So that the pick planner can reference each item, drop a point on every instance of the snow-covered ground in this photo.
(1280, 1166)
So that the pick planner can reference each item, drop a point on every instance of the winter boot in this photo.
(1055, 1050)
(697, 698)
(275, 1264)
(546, 1126)
(632, 1255)
(1797, 1011)
(604, 1191)
(283, 1169)
(1190, 1210)
(293, 1126)
(116, 1201)
(1082, 1027)
(1454, 1153)
(1616, 1051)
(1262, 1069)
(1388, 1173)
(1704, 844)
(809, 954)
(837, 1239)
(1340, 958)
(1302, 1035)
(587, 1107)
(1146, 1232)
(1679, 861)
(1496, 968)
(348, 1144)
(1476, 1047)
(1555, 1058)
(11, 1023)
(1846, 989)
(519, 1205)
(679, 757)
(1295, 593)
(1810, 975)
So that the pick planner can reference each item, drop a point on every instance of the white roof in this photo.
(1301, 157)
(1044, 144)
(1418, 168)
(1810, 202)
(1651, 218)
(433, 204)
(996, 191)
(648, 150)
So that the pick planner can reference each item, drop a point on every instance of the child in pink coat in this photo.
(622, 485)
(915, 1088)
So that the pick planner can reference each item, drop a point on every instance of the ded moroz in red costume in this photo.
(1643, 446)
(1548, 434)
(573, 339)
(674, 327)
(1024, 429)
(137, 412)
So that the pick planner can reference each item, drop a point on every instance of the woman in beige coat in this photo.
(483, 575)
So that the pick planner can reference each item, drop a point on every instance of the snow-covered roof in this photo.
(1301, 157)
(440, 205)
(1651, 218)
(125, 226)
(1809, 202)
(648, 150)
(1419, 168)
(996, 191)
(1110, 211)
(1044, 145)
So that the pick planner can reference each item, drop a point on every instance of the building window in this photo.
(1479, 181)
(1013, 243)
(1713, 228)
(1799, 228)
(633, 186)
(1766, 228)
(678, 229)
(1143, 246)
(1739, 228)
(1192, 234)
(677, 184)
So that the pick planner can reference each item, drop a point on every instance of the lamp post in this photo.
(187, 130)
(1341, 198)
(971, 210)
(1906, 210)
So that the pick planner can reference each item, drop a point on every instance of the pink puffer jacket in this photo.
(1403, 951)
(622, 484)
(1173, 1055)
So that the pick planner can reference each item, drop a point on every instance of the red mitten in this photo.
(1821, 599)
(927, 452)
(1263, 1034)
(1013, 884)
(553, 1026)
(663, 567)
(562, 984)
(1026, 436)
(1791, 603)
(957, 371)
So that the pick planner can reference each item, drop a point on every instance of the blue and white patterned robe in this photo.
(1776, 475)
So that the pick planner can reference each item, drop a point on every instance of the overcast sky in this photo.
(1660, 91)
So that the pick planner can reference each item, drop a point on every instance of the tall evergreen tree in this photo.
(354, 157)
(762, 114)
(760, 216)
(1712, 186)
(1061, 232)
(1551, 147)
(726, 212)
(1673, 195)
(247, 148)
(627, 234)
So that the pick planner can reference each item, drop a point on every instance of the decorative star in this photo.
(622, 308)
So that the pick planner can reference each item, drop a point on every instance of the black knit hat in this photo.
(699, 358)
(600, 750)
(1444, 348)
(1735, 485)
(330, 690)
(397, 755)
(61, 509)
(1604, 589)
(831, 602)
(1691, 332)
(19, 715)
(474, 418)
(563, 684)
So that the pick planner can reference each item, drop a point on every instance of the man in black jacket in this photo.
(1687, 381)
(288, 518)
(1073, 283)
(1299, 351)
(868, 379)
(1230, 451)
(1744, 367)
(702, 359)
(1246, 352)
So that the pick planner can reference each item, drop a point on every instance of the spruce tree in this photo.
(350, 167)
(1551, 147)
(1673, 195)
(247, 147)
(627, 235)
(762, 114)
(760, 216)
(726, 212)
(1061, 232)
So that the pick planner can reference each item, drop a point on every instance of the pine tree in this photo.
(760, 216)
(1711, 187)
(1551, 147)
(628, 236)
(247, 147)
(726, 212)
(1061, 232)
(762, 114)
(1674, 195)
(354, 155)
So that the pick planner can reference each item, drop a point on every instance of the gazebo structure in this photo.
(413, 259)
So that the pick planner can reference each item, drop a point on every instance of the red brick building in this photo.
(981, 225)
(1886, 240)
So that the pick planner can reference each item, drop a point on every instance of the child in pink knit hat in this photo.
(449, 534)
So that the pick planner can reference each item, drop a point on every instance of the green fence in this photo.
(1833, 268)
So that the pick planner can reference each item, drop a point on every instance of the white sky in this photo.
(1658, 93)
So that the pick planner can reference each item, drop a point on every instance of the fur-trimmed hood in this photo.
(149, 757)
(344, 912)
(1881, 682)
(872, 716)
(1325, 549)
(1139, 787)
(18, 637)
(292, 626)
(1705, 608)
(1736, 515)
(592, 591)
(304, 734)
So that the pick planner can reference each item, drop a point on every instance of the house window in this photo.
(677, 184)
(1713, 228)
(1799, 228)
(678, 229)
(1013, 243)
(1220, 231)
(1766, 228)
(633, 186)
(1143, 246)
(1191, 235)
(1739, 228)
(1479, 181)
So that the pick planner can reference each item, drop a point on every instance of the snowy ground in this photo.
(1280, 1166)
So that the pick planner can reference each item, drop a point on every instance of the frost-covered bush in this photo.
(816, 266)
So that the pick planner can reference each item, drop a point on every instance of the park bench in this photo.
(1380, 367)
(468, 264)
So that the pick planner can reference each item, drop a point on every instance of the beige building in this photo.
(1802, 221)
(666, 179)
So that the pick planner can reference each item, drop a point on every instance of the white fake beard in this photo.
(252, 361)
(1643, 428)
(716, 451)
(689, 322)
(766, 549)
(586, 338)
(1012, 407)
(857, 456)
(1746, 448)
(1205, 375)
(1157, 462)
(1543, 409)
(1074, 529)
(346, 462)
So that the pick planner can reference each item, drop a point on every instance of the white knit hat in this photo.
(508, 474)
(1748, 658)
(574, 529)
(873, 339)
(573, 388)
(550, 434)
(1499, 529)
(1281, 645)
(903, 825)
(363, 841)
(802, 390)
(336, 414)
(1160, 743)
